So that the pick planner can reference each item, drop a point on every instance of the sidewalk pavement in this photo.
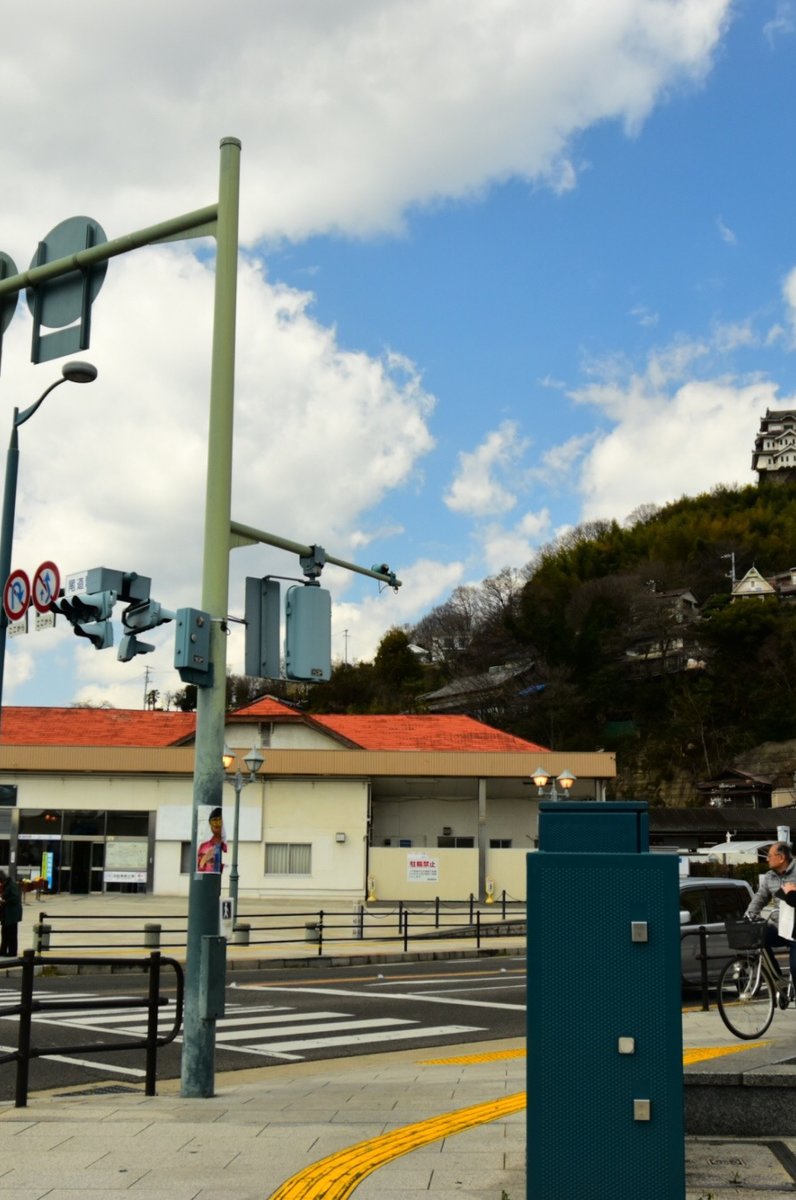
(448, 1122)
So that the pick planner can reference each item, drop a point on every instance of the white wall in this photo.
(389, 869)
(243, 737)
(507, 870)
(423, 820)
(314, 811)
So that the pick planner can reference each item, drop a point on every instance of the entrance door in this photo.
(79, 856)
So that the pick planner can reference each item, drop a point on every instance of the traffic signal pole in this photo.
(198, 1057)
(204, 966)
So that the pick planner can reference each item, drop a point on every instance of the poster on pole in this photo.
(211, 844)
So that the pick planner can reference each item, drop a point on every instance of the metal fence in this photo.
(316, 929)
(29, 1003)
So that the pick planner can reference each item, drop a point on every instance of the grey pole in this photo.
(253, 760)
(198, 1057)
(238, 782)
(70, 373)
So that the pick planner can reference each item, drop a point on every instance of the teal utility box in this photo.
(605, 1070)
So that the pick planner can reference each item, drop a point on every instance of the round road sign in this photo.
(16, 595)
(46, 584)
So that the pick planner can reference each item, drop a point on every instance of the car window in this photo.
(692, 901)
(726, 902)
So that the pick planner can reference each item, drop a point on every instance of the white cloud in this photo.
(475, 489)
(664, 447)
(781, 25)
(514, 546)
(725, 233)
(644, 316)
(348, 113)
(789, 296)
(113, 473)
(424, 584)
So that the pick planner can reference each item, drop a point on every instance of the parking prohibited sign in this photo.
(46, 584)
(16, 595)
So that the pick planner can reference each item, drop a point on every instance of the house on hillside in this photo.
(689, 829)
(784, 584)
(774, 455)
(344, 806)
(485, 696)
(753, 586)
(737, 787)
(664, 638)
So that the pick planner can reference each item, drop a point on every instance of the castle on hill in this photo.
(774, 455)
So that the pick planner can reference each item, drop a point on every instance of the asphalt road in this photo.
(272, 1016)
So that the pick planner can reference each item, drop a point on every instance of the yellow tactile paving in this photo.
(494, 1056)
(704, 1053)
(335, 1177)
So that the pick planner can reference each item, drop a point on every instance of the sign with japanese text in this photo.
(422, 868)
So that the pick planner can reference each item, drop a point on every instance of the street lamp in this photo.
(71, 372)
(253, 760)
(541, 777)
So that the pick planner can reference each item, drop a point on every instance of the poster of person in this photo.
(211, 843)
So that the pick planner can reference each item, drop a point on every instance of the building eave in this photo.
(365, 764)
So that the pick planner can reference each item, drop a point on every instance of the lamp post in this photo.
(71, 372)
(253, 760)
(541, 777)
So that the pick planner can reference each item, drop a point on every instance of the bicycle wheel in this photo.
(744, 997)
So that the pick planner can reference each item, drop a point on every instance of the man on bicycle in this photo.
(778, 883)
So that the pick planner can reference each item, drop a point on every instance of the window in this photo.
(500, 843)
(288, 858)
(459, 843)
(726, 902)
(185, 858)
(128, 824)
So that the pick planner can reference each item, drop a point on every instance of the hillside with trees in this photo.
(624, 637)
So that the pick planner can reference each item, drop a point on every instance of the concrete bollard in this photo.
(152, 937)
(241, 934)
(311, 932)
(41, 937)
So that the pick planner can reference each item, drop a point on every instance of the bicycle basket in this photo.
(745, 935)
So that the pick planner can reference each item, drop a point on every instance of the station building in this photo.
(398, 807)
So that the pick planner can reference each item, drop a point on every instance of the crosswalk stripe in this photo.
(268, 1030)
(393, 1035)
(266, 1023)
(240, 1035)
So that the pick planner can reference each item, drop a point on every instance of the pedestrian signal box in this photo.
(308, 633)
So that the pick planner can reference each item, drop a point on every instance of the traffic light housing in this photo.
(89, 615)
(308, 633)
(130, 646)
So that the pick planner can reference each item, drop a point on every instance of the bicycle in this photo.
(750, 987)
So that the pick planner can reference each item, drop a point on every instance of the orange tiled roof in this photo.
(424, 732)
(267, 708)
(93, 727)
(150, 728)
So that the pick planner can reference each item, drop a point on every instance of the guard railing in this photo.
(30, 1004)
(319, 928)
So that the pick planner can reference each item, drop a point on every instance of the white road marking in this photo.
(395, 1035)
(304, 991)
(84, 1062)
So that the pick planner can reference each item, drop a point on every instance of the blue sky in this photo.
(503, 269)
